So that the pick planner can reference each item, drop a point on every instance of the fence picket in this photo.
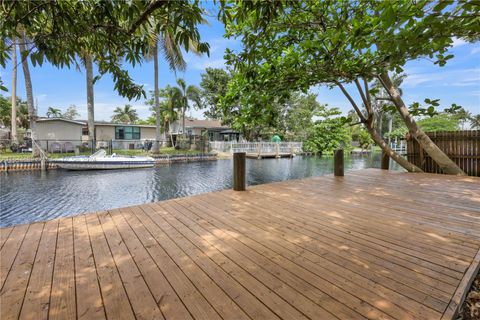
(463, 147)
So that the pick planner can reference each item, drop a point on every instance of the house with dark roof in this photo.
(213, 128)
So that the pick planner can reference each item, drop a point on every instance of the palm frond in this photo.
(171, 52)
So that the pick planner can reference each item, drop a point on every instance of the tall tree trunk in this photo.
(158, 137)
(369, 124)
(437, 155)
(380, 123)
(90, 101)
(183, 119)
(29, 90)
(390, 126)
(410, 167)
(13, 126)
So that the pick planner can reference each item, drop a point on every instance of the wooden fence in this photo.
(463, 147)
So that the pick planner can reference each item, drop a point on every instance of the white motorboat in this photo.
(101, 161)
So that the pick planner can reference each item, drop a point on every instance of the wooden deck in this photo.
(373, 244)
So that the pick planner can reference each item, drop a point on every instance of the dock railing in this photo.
(256, 147)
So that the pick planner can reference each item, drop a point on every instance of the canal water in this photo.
(28, 196)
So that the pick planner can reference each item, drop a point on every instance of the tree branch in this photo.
(352, 102)
(154, 5)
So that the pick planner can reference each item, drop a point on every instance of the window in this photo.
(127, 133)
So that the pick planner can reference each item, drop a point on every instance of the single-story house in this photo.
(57, 134)
(214, 128)
(123, 136)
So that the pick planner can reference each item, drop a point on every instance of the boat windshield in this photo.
(100, 153)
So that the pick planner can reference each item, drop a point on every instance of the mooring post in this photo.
(239, 180)
(338, 163)
(385, 163)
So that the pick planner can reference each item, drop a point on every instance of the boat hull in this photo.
(104, 162)
(103, 166)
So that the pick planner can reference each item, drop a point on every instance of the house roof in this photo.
(59, 119)
(203, 123)
(189, 123)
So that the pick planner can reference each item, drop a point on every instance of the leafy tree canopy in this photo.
(71, 113)
(113, 32)
(290, 45)
(214, 85)
(439, 122)
(329, 132)
(126, 115)
(6, 112)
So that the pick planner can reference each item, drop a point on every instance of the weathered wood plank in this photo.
(166, 297)
(62, 299)
(37, 297)
(142, 301)
(196, 303)
(9, 251)
(115, 299)
(357, 247)
(13, 291)
(89, 302)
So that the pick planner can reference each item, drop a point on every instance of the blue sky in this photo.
(458, 82)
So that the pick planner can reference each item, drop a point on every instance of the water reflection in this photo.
(34, 196)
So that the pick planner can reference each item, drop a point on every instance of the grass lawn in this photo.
(9, 155)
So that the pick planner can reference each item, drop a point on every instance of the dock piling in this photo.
(338, 163)
(239, 180)
(385, 161)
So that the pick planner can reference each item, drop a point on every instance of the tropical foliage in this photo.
(112, 32)
(71, 113)
(328, 133)
(53, 112)
(182, 95)
(126, 115)
(6, 115)
(214, 85)
(290, 45)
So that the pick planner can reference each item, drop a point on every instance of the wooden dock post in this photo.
(385, 162)
(43, 164)
(338, 163)
(239, 180)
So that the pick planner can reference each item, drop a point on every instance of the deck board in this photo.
(374, 244)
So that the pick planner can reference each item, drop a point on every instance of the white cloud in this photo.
(475, 50)
(210, 63)
(458, 42)
(459, 78)
(41, 97)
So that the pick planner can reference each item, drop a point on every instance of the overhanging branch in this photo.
(154, 5)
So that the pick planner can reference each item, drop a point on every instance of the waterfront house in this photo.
(213, 128)
(58, 135)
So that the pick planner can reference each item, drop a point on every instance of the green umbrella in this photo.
(276, 138)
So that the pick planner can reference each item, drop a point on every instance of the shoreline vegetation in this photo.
(8, 155)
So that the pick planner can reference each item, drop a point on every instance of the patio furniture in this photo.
(68, 147)
(55, 147)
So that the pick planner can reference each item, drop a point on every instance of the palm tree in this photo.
(29, 90)
(54, 112)
(463, 116)
(182, 95)
(168, 40)
(14, 93)
(173, 54)
(169, 112)
(475, 122)
(126, 115)
(87, 59)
